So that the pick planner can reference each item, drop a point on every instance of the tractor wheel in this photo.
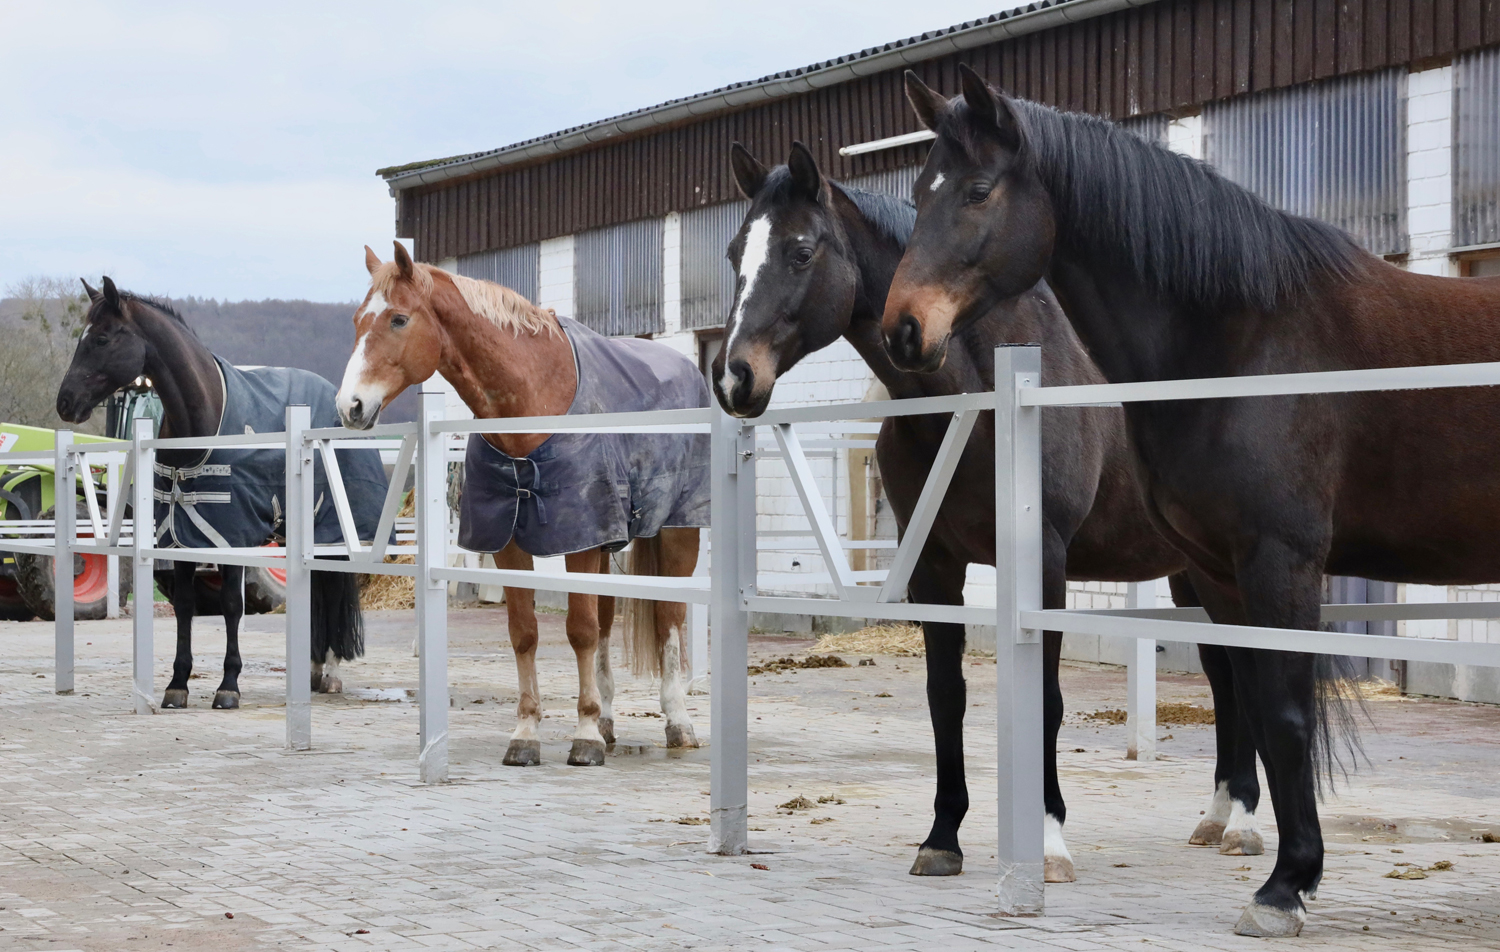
(90, 580)
(12, 606)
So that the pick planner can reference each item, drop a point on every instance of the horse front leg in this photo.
(938, 579)
(232, 599)
(184, 601)
(678, 559)
(1057, 862)
(583, 635)
(525, 748)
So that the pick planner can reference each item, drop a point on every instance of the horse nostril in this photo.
(904, 342)
(744, 382)
(356, 408)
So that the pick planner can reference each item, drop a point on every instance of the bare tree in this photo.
(41, 319)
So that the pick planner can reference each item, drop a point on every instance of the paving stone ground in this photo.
(126, 832)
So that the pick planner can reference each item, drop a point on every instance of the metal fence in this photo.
(1476, 149)
(1333, 150)
(617, 278)
(707, 279)
(517, 268)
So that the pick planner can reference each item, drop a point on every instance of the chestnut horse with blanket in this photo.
(816, 258)
(1169, 271)
(580, 495)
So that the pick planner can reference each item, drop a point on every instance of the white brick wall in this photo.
(1429, 170)
(555, 275)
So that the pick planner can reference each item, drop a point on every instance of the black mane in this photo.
(892, 216)
(1187, 231)
(151, 302)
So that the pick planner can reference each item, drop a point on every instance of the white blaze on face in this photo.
(354, 384)
(752, 262)
(937, 183)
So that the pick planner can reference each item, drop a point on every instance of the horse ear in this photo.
(749, 174)
(372, 260)
(111, 293)
(94, 296)
(404, 264)
(928, 105)
(989, 107)
(804, 169)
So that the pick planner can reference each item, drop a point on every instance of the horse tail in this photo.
(1336, 745)
(641, 651)
(338, 624)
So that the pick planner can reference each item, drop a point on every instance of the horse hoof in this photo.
(1058, 869)
(523, 753)
(330, 685)
(681, 736)
(931, 862)
(1242, 843)
(586, 753)
(174, 698)
(607, 729)
(226, 700)
(1208, 833)
(1268, 922)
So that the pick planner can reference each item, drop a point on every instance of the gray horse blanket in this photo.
(581, 491)
(235, 497)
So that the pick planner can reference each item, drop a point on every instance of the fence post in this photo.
(698, 620)
(112, 474)
(64, 510)
(1018, 651)
(299, 552)
(1140, 683)
(142, 580)
(432, 595)
(733, 517)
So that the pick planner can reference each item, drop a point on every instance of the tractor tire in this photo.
(12, 606)
(90, 580)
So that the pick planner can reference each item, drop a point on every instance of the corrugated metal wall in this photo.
(1333, 150)
(897, 182)
(516, 268)
(1476, 152)
(1172, 54)
(1152, 127)
(617, 280)
(707, 278)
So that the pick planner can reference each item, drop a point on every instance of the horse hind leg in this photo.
(232, 599)
(677, 557)
(583, 635)
(604, 674)
(184, 602)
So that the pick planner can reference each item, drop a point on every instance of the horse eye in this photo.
(398, 321)
(803, 256)
(978, 193)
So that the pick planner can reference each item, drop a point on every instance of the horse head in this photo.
(397, 339)
(796, 278)
(111, 354)
(985, 224)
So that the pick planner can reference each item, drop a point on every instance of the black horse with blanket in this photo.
(226, 497)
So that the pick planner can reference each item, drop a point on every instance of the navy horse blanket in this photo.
(234, 497)
(580, 491)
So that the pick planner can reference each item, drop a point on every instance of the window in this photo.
(1476, 149)
(707, 279)
(1333, 150)
(617, 279)
(516, 268)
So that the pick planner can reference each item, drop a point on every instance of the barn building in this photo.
(1380, 116)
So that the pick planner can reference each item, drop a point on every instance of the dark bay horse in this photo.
(1167, 270)
(815, 260)
(127, 337)
(507, 357)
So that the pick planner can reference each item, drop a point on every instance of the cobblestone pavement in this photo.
(120, 832)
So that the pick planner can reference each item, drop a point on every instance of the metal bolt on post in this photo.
(432, 594)
(64, 510)
(1018, 651)
(299, 553)
(143, 537)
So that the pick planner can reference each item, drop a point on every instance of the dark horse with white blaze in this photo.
(127, 337)
(815, 260)
(1169, 271)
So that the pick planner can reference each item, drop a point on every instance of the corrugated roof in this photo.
(921, 39)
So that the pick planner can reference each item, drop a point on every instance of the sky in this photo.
(228, 150)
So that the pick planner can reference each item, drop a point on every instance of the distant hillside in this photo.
(307, 334)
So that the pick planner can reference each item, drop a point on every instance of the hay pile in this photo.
(1168, 714)
(377, 592)
(903, 641)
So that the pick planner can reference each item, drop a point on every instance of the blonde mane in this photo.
(499, 305)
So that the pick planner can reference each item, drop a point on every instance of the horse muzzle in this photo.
(908, 349)
(357, 415)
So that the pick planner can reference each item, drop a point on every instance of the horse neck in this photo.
(876, 256)
(502, 373)
(184, 375)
